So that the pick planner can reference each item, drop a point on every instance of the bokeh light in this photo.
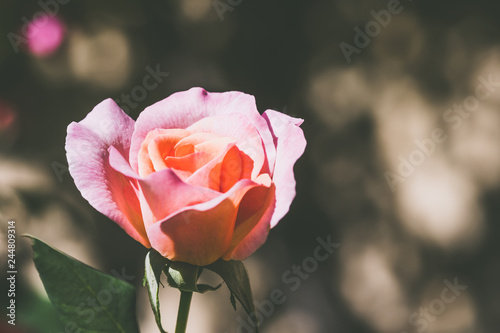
(45, 34)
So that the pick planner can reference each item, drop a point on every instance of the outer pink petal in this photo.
(290, 145)
(162, 192)
(166, 193)
(182, 109)
(200, 234)
(110, 192)
(251, 232)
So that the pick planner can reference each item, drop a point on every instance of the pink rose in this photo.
(199, 176)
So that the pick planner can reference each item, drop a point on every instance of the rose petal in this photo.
(156, 145)
(232, 169)
(209, 175)
(209, 143)
(206, 147)
(252, 223)
(118, 162)
(236, 126)
(108, 191)
(290, 145)
(235, 164)
(185, 166)
(166, 193)
(201, 234)
(182, 109)
(162, 192)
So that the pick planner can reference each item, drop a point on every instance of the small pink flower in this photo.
(45, 34)
(199, 176)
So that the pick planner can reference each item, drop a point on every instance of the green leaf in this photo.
(233, 301)
(235, 275)
(184, 276)
(155, 263)
(85, 299)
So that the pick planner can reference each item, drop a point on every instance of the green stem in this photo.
(182, 315)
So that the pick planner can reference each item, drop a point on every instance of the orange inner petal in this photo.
(187, 165)
(202, 159)
(156, 147)
(231, 169)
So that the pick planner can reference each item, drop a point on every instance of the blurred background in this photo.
(401, 101)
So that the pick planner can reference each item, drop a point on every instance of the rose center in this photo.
(203, 159)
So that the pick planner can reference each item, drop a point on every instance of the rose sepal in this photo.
(184, 276)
